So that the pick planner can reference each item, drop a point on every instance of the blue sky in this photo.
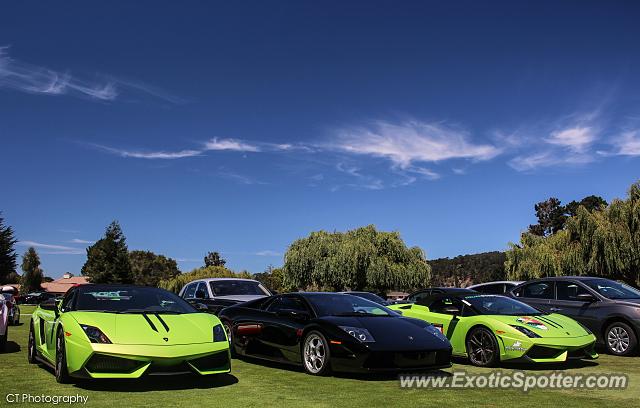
(241, 127)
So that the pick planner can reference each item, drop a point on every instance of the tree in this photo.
(108, 259)
(272, 278)
(465, 270)
(603, 242)
(214, 259)
(148, 268)
(8, 254)
(359, 259)
(32, 274)
(177, 283)
(591, 203)
(551, 217)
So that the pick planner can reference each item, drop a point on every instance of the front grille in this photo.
(407, 359)
(541, 352)
(212, 362)
(100, 363)
(157, 369)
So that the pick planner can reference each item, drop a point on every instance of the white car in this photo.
(4, 323)
(218, 293)
(495, 288)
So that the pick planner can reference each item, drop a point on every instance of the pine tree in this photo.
(108, 259)
(32, 273)
(7, 252)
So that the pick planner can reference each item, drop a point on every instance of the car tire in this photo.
(31, 346)
(3, 339)
(16, 317)
(62, 373)
(227, 330)
(482, 347)
(620, 339)
(315, 354)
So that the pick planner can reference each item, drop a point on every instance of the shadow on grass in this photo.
(11, 347)
(157, 383)
(372, 376)
(566, 365)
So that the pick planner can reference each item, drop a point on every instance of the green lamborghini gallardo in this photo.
(492, 328)
(125, 331)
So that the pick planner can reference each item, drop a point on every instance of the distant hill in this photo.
(465, 270)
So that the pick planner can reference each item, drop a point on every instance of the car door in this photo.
(285, 317)
(538, 294)
(442, 314)
(567, 303)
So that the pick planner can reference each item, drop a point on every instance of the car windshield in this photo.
(612, 289)
(369, 296)
(337, 304)
(130, 299)
(238, 287)
(499, 305)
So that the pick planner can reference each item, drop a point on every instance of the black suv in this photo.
(611, 310)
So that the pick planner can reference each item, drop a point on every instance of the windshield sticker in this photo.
(530, 321)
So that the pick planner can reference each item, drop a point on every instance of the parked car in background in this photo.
(492, 328)
(495, 288)
(4, 323)
(611, 310)
(35, 298)
(13, 310)
(328, 331)
(218, 293)
(424, 293)
(369, 296)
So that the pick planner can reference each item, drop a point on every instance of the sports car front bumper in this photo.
(92, 360)
(547, 350)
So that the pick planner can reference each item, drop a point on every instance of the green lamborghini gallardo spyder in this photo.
(492, 328)
(125, 331)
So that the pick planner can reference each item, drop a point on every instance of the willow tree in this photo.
(601, 243)
(177, 282)
(364, 258)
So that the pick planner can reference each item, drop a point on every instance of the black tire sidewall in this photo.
(633, 340)
(326, 369)
(31, 346)
(496, 348)
(61, 374)
(229, 333)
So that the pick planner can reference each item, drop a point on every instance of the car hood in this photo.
(547, 326)
(396, 333)
(187, 328)
(240, 298)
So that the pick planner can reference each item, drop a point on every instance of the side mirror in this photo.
(293, 314)
(201, 307)
(586, 297)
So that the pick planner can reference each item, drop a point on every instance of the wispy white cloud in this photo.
(268, 252)
(577, 138)
(411, 142)
(81, 241)
(242, 179)
(52, 249)
(627, 144)
(151, 155)
(231, 144)
(36, 79)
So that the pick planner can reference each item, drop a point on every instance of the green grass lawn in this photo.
(252, 384)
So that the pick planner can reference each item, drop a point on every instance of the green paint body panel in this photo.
(190, 337)
(565, 334)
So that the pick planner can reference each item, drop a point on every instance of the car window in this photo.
(492, 289)
(190, 291)
(569, 290)
(287, 303)
(537, 290)
(417, 296)
(446, 305)
(201, 291)
(67, 303)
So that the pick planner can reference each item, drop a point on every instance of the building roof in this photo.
(63, 284)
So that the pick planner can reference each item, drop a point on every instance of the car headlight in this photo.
(95, 335)
(219, 334)
(526, 332)
(359, 333)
